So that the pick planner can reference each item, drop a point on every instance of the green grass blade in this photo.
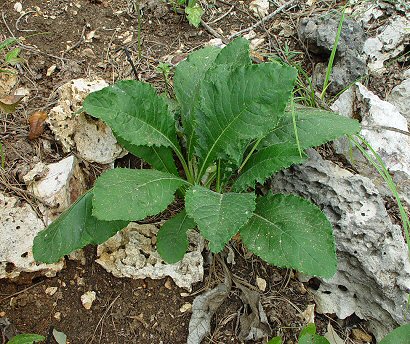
(333, 54)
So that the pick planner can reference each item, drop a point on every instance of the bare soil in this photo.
(85, 38)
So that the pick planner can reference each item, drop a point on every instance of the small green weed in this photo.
(9, 57)
(233, 129)
(192, 10)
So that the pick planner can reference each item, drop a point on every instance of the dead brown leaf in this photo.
(36, 121)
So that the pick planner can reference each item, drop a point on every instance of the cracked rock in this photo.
(91, 138)
(373, 276)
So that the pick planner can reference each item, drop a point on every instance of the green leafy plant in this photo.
(26, 339)
(233, 130)
(192, 10)
(11, 57)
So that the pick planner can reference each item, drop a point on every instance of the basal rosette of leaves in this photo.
(230, 131)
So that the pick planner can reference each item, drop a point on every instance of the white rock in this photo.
(373, 276)
(392, 146)
(51, 290)
(59, 184)
(389, 43)
(261, 283)
(260, 7)
(18, 7)
(215, 42)
(87, 299)
(186, 307)
(92, 139)
(18, 226)
(130, 253)
(400, 97)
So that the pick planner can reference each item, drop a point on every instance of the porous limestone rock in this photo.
(132, 253)
(373, 276)
(385, 129)
(19, 225)
(390, 41)
(91, 138)
(400, 98)
(319, 34)
(58, 185)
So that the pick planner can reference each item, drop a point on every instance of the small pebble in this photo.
(185, 307)
(358, 334)
(87, 299)
(168, 284)
(51, 291)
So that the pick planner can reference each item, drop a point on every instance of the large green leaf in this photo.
(160, 158)
(172, 241)
(125, 194)
(27, 338)
(188, 75)
(135, 112)
(74, 229)
(218, 216)
(288, 231)
(266, 162)
(314, 127)
(400, 335)
(239, 105)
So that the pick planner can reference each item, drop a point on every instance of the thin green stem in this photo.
(188, 174)
(218, 177)
(249, 154)
(333, 54)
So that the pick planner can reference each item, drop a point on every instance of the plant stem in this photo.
(218, 177)
(249, 155)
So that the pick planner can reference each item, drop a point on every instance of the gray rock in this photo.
(345, 71)
(373, 277)
(400, 97)
(319, 33)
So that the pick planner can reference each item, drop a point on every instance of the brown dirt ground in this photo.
(127, 311)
